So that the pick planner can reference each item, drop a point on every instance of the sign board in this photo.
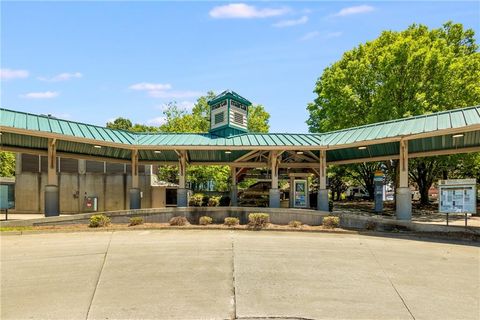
(300, 193)
(457, 196)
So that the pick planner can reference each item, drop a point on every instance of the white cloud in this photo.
(354, 10)
(158, 121)
(310, 35)
(41, 95)
(62, 77)
(13, 74)
(245, 11)
(161, 90)
(146, 86)
(291, 23)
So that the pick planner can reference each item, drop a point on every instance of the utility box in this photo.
(90, 204)
(457, 196)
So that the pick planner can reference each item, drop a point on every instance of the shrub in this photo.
(196, 200)
(213, 201)
(205, 200)
(330, 206)
(179, 221)
(135, 221)
(224, 201)
(204, 220)
(331, 222)
(99, 220)
(371, 225)
(258, 220)
(295, 224)
(231, 221)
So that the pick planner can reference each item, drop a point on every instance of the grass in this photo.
(3, 229)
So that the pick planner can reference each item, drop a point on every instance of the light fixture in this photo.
(362, 148)
(299, 152)
(157, 151)
(97, 147)
(228, 152)
(458, 135)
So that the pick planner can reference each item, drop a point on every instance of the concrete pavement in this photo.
(200, 274)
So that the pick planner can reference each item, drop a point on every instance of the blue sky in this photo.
(95, 61)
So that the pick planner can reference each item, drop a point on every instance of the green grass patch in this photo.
(3, 229)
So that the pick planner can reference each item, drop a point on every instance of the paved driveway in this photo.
(186, 274)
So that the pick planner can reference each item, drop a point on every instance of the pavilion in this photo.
(229, 143)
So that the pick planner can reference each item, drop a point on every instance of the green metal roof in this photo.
(229, 94)
(25, 130)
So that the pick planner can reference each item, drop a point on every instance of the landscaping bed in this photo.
(153, 226)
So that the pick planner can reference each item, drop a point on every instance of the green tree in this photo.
(125, 124)
(399, 74)
(120, 124)
(258, 119)
(7, 164)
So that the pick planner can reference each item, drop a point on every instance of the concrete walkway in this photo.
(187, 274)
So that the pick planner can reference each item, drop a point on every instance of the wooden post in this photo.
(404, 195)
(274, 168)
(274, 194)
(403, 164)
(135, 195)
(322, 197)
(323, 170)
(52, 201)
(182, 169)
(234, 191)
(182, 194)
(52, 178)
(135, 169)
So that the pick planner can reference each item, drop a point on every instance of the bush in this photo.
(204, 220)
(331, 222)
(330, 206)
(231, 221)
(224, 201)
(135, 221)
(179, 221)
(258, 220)
(196, 200)
(99, 220)
(205, 200)
(214, 201)
(295, 224)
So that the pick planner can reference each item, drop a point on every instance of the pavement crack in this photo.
(390, 281)
(99, 275)
(234, 296)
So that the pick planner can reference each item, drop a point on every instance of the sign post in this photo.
(457, 196)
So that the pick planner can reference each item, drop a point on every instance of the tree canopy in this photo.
(400, 74)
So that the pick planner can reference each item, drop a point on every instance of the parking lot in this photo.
(193, 274)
